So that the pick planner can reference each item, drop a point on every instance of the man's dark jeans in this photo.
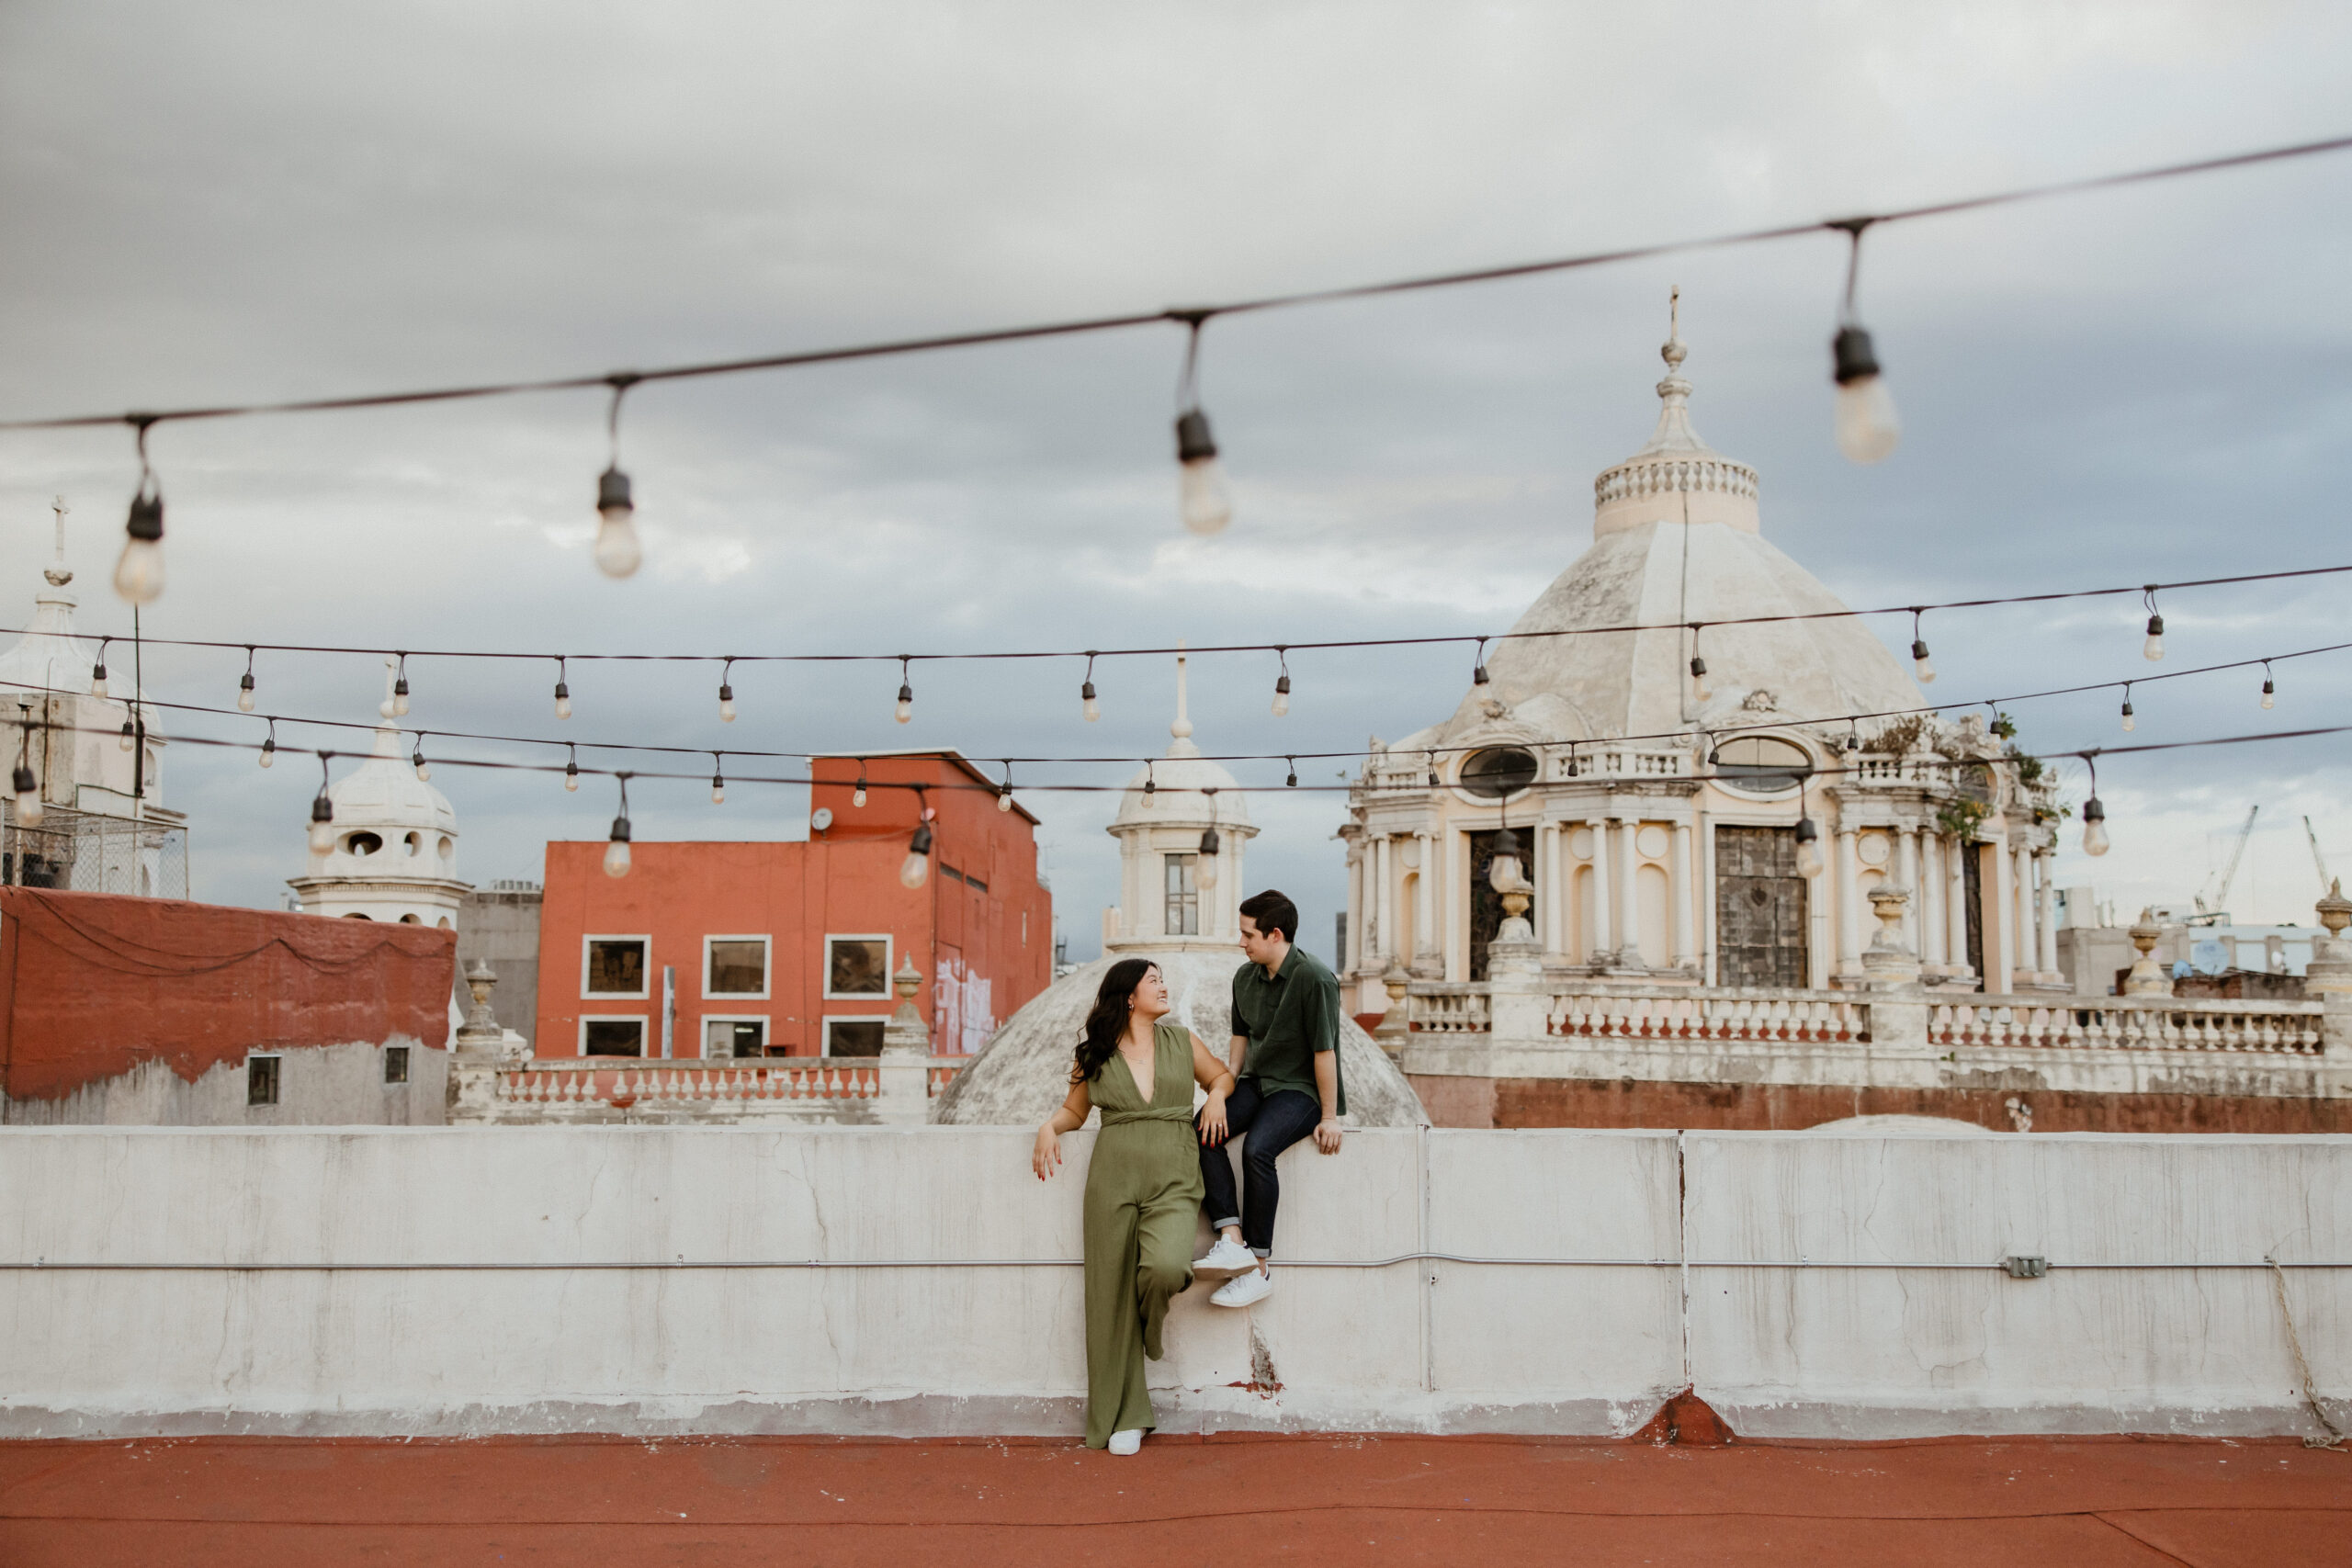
(1274, 1122)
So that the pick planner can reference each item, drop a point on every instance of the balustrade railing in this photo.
(2118, 1023)
(622, 1082)
(1808, 1017)
(1454, 1009)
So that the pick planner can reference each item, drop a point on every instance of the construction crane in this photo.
(2217, 911)
(2318, 859)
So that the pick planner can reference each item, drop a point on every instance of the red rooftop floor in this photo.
(2070, 1503)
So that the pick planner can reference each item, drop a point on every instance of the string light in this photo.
(616, 847)
(322, 811)
(246, 685)
(1866, 423)
(28, 803)
(718, 778)
(98, 671)
(1281, 684)
(1004, 790)
(905, 708)
(416, 761)
(400, 688)
(1922, 669)
(1087, 705)
(2130, 724)
(139, 575)
(1699, 689)
(1853, 736)
(2094, 814)
(570, 766)
(1572, 759)
(269, 745)
(2154, 648)
(1504, 872)
(1478, 669)
(2270, 692)
(562, 690)
(857, 796)
(129, 740)
(1291, 780)
(915, 870)
(1151, 785)
(726, 693)
(1205, 863)
(1430, 758)
(617, 552)
(1808, 844)
(1204, 500)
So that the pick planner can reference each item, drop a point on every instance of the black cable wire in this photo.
(1279, 648)
(1190, 316)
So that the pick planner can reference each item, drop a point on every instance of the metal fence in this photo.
(83, 852)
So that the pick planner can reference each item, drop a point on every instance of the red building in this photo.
(787, 949)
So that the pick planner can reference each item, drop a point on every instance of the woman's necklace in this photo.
(1139, 1067)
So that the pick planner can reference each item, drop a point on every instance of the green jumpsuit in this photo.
(1143, 1203)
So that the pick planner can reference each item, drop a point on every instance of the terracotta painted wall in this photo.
(986, 930)
(91, 984)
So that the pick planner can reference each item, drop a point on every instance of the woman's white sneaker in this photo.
(1244, 1289)
(1126, 1442)
(1227, 1257)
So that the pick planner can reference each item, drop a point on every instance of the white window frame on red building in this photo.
(889, 954)
(767, 966)
(645, 1040)
(703, 1022)
(825, 1031)
(637, 995)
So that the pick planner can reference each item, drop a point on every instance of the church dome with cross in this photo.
(1655, 730)
(393, 855)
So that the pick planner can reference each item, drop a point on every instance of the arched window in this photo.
(364, 844)
(1505, 771)
(1759, 765)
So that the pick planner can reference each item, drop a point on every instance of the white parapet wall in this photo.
(472, 1290)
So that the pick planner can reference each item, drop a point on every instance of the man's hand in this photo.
(1327, 1134)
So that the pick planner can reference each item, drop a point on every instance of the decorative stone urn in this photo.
(1887, 965)
(1395, 1028)
(2147, 977)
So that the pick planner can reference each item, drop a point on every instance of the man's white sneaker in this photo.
(1244, 1289)
(1126, 1442)
(1227, 1257)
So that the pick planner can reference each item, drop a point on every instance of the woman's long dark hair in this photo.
(1107, 1020)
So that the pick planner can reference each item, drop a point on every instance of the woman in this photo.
(1143, 1186)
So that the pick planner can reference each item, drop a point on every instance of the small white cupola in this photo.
(1182, 826)
(394, 855)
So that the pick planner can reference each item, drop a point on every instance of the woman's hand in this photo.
(1047, 1157)
(1212, 1119)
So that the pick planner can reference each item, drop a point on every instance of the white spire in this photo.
(388, 734)
(1678, 478)
(59, 574)
(1183, 728)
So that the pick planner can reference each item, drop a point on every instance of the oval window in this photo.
(1757, 764)
(364, 844)
(1506, 770)
(1974, 782)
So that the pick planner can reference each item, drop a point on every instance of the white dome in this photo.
(1182, 782)
(1023, 1071)
(385, 793)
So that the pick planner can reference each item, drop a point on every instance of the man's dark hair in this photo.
(1273, 912)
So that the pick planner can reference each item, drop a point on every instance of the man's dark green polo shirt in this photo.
(1288, 1019)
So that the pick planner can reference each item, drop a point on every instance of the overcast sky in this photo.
(210, 202)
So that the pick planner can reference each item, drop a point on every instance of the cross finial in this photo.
(1673, 352)
(57, 575)
(1183, 725)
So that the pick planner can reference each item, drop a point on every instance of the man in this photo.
(1286, 1057)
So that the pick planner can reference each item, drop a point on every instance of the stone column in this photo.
(903, 1073)
(2046, 906)
(1604, 901)
(1351, 960)
(1849, 904)
(1686, 945)
(1384, 902)
(1426, 946)
(1906, 872)
(1551, 906)
(2021, 897)
(1628, 915)
(1956, 853)
(1932, 903)
(2000, 922)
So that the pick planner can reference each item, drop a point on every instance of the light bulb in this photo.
(268, 751)
(563, 700)
(905, 708)
(1503, 873)
(245, 693)
(572, 775)
(126, 741)
(718, 791)
(2269, 695)
(1092, 709)
(726, 704)
(424, 769)
(2094, 827)
(914, 871)
(1205, 873)
(1809, 859)
(2154, 648)
(616, 858)
(1699, 688)
(1004, 800)
(617, 553)
(2129, 722)
(323, 837)
(98, 678)
(400, 698)
(858, 796)
(1203, 499)
(139, 575)
(1282, 696)
(1922, 668)
(1866, 423)
(29, 806)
